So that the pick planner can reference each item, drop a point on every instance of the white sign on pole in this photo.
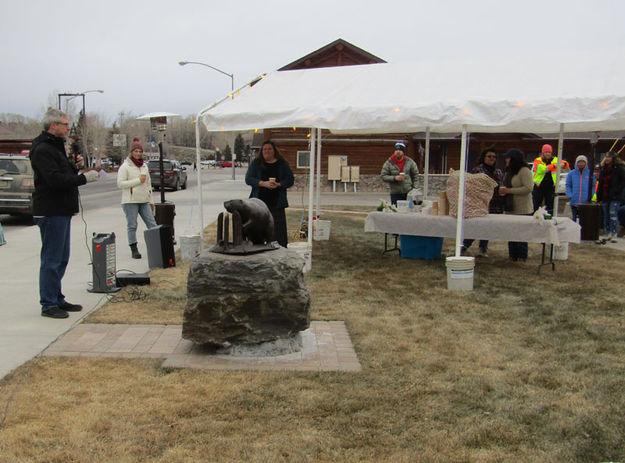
(119, 139)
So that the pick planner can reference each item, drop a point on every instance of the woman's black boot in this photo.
(135, 251)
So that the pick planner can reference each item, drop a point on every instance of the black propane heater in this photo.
(165, 210)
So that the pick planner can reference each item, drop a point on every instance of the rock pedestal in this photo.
(233, 299)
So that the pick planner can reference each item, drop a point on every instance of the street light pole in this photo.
(184, 63)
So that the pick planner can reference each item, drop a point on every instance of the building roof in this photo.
(338, 53)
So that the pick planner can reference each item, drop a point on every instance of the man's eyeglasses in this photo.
(491, 156)
(66, 124)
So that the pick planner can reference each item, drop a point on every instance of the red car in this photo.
(224, 164)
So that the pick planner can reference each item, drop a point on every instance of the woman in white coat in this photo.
(133, 178)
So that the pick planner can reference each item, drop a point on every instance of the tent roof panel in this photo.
(444, 96)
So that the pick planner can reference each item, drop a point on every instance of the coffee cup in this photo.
(272, 179)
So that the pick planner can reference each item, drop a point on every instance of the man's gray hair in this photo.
(52, 115)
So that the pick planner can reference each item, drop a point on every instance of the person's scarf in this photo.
(137, 162)
(401, 163)
(489, 170)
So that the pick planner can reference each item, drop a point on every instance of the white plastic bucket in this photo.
(561, 252)
(321, 230)
(460, 273)
(302, 248)
(189, 247)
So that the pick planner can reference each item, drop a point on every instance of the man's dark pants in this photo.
(398, 197)
(540, 194)
(620, 213)
(55, 235)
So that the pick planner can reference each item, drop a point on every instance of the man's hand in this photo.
(79, 160)
(153, 208)
(91, 176)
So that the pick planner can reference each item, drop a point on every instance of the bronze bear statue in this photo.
(256, 219)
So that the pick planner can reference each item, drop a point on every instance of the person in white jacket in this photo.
(133, 178)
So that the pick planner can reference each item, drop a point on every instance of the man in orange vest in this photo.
(545, 171)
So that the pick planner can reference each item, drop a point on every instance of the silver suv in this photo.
(174, 175)
(16, 185)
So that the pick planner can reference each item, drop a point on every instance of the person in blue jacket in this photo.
(577, 185)
(269, 175)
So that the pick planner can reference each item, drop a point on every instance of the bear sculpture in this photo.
(256, 219)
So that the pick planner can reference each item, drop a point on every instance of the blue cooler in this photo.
(420, 247)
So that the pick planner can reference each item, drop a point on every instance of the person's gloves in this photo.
(91, 176)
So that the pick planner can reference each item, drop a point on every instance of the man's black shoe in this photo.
(70, 307)
(54, 312)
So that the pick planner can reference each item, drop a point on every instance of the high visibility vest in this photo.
(540, 169)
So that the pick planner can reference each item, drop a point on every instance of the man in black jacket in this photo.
(55, 200)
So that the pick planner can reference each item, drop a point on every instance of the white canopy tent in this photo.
(541, 96)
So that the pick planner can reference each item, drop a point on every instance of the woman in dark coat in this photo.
(611, 191)
(269, 175)
(487, 165)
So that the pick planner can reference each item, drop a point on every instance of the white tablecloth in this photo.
(494, 227)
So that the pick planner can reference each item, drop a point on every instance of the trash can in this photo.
(164, 215)
(589, 219)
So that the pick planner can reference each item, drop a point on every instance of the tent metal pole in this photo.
(318, 210)
(233, 155)
(460, 219)
(198, 163)
(559, 170)
(426, 167)
(311, 185)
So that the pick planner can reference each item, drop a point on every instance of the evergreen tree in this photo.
(227, 153)
(239, 146)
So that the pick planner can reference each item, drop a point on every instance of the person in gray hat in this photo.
(400, 172)
(577, 185)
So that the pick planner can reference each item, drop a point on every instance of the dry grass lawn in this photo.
(524, 368)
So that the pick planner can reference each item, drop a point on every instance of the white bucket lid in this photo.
(460, 259)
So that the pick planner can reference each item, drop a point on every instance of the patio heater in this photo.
(165, 210)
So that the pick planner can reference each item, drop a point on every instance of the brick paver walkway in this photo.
(326, 347)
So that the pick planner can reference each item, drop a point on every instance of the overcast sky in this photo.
(130, 49)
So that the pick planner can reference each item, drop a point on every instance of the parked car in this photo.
(224, 163)
(208, 163)
(175, 177)
(16, 185)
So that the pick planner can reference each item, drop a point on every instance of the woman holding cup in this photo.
(400, 172)
(133, 178)
(269, 175)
